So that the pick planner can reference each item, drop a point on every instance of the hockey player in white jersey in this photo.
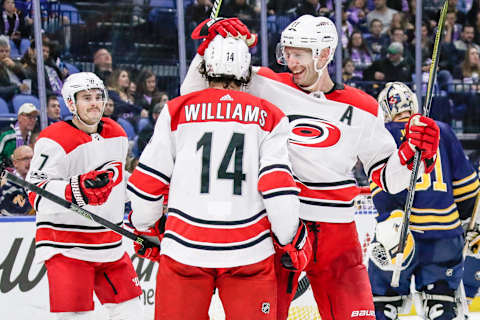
(331, 126)
(223, 155)
(82, 160)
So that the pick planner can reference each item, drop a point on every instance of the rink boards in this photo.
(24, 287)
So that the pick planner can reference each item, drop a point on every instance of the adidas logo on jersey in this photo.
(226, 97)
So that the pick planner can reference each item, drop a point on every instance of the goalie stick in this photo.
(143, 241)
(416, 163)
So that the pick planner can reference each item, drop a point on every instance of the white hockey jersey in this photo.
(63, 151)
(328, 133)
(214, 150)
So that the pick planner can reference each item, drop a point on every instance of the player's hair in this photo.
(225, 79)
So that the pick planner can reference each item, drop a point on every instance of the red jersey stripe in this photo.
(148, 183)
(216, 235)
(340, 194)
(275, 180)
(48, 234)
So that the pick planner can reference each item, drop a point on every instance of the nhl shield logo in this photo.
(266, 307)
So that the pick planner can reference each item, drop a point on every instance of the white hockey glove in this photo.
(472, 239)
(383, 249)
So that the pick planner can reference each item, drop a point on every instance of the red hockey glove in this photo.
(209, 28)
(154, 233)
(91, 188)
(297, 254)
(420, 133)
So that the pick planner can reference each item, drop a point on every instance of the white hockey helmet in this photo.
(79, 82)
(315, 33)
(227, 57)
(396, 98)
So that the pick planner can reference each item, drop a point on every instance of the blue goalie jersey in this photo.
(442, 198)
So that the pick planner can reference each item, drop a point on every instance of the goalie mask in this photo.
(228, 57)
(79, 82)
(309, 32)
(383, 249)
(396, 98)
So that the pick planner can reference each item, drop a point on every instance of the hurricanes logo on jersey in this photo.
(116, 167)
(313, 132)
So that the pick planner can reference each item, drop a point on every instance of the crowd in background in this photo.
(378, 46)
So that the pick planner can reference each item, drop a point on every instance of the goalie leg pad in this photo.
(387, 307)
(439, 301)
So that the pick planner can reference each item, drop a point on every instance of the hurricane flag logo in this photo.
(313, 132)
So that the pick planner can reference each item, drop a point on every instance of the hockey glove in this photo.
(420, 133)
(472, 238)
(384, 248)
(295, 255)
(91, 188)
(209, 28)
(154, 233)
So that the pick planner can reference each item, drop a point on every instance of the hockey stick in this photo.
(144, 242)
(471, 224)
(416, 163)
(460, 292)
(215, 9)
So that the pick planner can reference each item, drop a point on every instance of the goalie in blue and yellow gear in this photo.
(443, 198)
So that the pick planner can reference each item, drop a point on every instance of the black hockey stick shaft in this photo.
(416, 160)
(73, 207)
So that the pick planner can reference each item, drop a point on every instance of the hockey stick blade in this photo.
(148, 243)
(416, 159)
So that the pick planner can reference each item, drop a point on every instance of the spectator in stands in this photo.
(311, 7)
(102, 61)
(347, 30)
(19, 134)
(466, 40)
(118, 84)
(109, 108)
(357, 51)
(53, 109)
(426, 42)
(11, 73)
(382, 13)
(452, 6)
(392, 68)
(397, 34)
(357, 13)
(348, 70)
(476, 38)
(400, 21)
(281, 7)
(469, 70)
(146, 133)
(163, 98)
(452, 28)
(132, 91)
(13, 198)
(53, 76)
(377, 40)
(242, 10)
(15, 27)
(146, 89)
(198, 11)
